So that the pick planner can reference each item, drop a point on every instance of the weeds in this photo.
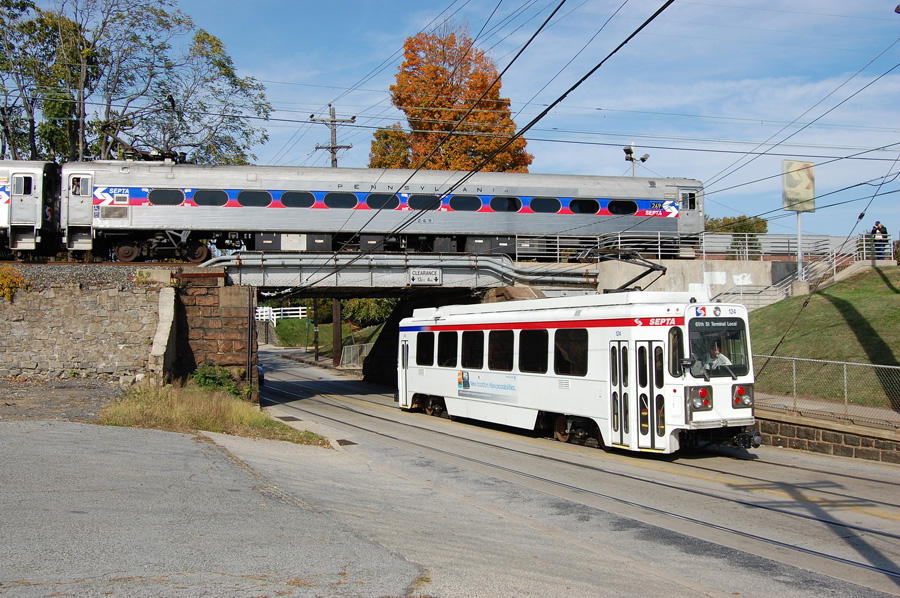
(193, 408)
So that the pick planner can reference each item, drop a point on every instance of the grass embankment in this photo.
(192, 408)
(293, 332)
(856, 320)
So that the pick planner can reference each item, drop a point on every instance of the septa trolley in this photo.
(629, 370)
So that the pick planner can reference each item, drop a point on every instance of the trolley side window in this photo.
(500, 350)
(570, 352)
(676, 351)
(658, 367)
(473, 349)
(425, 348)
(447, 344)
(533, 351)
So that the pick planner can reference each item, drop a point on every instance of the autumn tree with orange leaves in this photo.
(441, 78)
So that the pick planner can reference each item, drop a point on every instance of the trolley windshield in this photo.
(718, 347)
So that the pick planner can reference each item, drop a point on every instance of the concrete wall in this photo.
(710, 276)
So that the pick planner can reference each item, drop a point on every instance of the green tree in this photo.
(103, 78)
(744, 241)
(442, 77)
(737, 224)
(390, 148)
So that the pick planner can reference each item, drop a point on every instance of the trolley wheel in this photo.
(196, 252)
(434, 406)
(559, 429)
(126, 252)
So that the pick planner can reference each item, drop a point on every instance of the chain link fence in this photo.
(856, 392)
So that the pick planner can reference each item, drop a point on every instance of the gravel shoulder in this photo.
(61, 400)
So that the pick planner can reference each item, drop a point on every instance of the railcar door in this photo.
(25, 199)
(403, 369)
(650, 360)
(621, 394)
(80, 194)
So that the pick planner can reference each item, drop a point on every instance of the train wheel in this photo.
(196, 252)
(127, 252)
(559, 429)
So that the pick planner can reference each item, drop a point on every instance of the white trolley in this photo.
(641, 371)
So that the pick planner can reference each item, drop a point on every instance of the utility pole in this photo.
(332, 124)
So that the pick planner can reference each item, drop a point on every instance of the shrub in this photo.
(215, 377)
(11, 281)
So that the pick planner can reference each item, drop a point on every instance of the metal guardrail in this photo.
(854, 392)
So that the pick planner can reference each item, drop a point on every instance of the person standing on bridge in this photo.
(880, 239)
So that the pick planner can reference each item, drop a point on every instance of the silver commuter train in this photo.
(145, 209)
(635, 370)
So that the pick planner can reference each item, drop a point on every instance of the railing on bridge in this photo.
(273, 314)
(855, 392)
(707, 246)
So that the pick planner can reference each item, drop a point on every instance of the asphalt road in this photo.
(99, 511)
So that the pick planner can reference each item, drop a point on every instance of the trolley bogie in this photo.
(618, 370)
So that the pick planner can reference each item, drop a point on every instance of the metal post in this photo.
(794, 368)
(799, 249)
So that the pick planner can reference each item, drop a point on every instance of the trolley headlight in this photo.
(742, 396)
(700, 398)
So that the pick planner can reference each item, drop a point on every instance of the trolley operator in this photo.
(716, 358)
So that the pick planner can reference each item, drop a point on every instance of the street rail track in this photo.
(333, 401)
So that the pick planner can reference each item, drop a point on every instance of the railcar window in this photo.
(473, 349)
(545, 205)
(298, 199)
(447, 344)
(506, 204)
(621, 207)
(423, 202)
(382, 201)
(676, 351)
(465, 203)
(688, 200)
(81, 186)
(500, 350)
(23, 185)
(584, 206)
(341, 200)
(658, 367)
(166, 197)
(254, 198)
(570, 352)
(425, 348)
(210, 197)
(533, 351)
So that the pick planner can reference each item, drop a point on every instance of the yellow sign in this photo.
(799, 186)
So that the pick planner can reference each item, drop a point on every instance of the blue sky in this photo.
(701, 87)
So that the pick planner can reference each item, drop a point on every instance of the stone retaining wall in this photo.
(71, 330)
(794, 431)
(126, 324)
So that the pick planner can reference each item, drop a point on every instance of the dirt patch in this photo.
(64, 400)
